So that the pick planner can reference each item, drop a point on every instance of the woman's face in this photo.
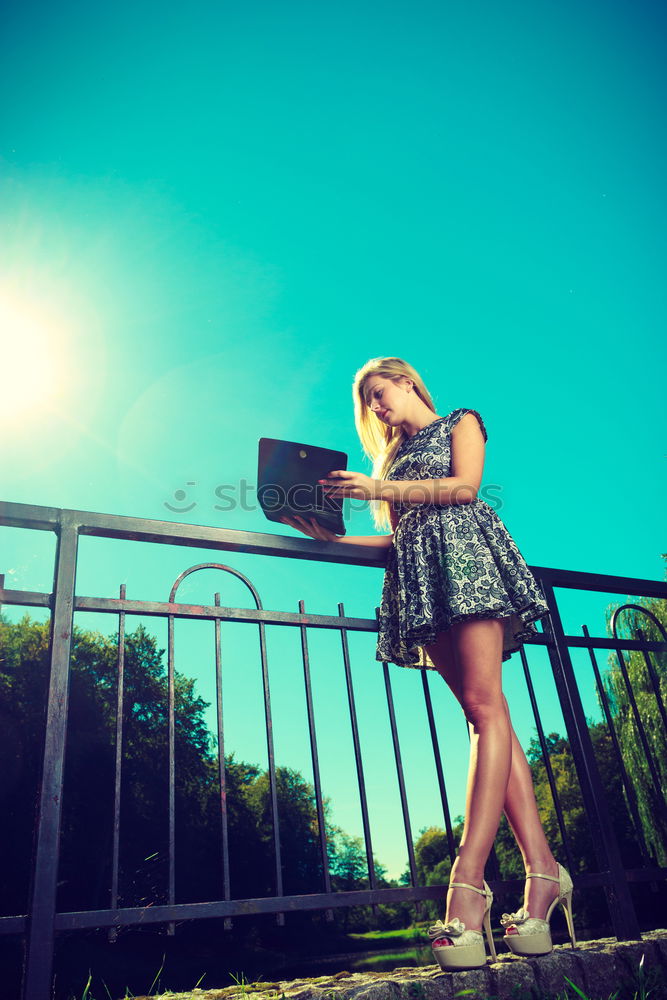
(387, 399)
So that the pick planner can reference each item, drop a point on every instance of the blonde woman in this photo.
(458, 598)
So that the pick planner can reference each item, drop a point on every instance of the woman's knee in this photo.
(482, 708)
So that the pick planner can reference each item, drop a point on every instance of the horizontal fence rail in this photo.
(39, 926)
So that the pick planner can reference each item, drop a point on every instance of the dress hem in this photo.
(528, 616)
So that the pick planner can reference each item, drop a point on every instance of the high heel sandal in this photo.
(533, 935)
(466, 950)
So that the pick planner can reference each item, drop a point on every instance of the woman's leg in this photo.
(519, 805)
(524, 820)
(477, 645)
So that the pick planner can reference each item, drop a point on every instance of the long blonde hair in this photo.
(379, 441)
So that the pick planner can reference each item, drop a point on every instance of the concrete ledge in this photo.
(598, 968)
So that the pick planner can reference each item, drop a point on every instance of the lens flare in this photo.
(31, 372)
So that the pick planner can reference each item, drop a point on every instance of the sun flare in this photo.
(31, 374)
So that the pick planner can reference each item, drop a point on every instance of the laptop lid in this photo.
(287, 475)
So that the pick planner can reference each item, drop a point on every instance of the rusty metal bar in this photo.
(655, 777)
(40, 944)
(655, 681)
(627, 784)
(112, 605)
(145, 916)
(222, 768)
(260, 543)
(399, 773)
(547, 762)
(280, 917)
(619, 899)
(171, 927)
(218, 612)
(305, 656)
(142, 916)
(119, 761)
(43, 921)
(357, 756)
(451, 844)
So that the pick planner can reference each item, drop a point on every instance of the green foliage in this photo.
(431, 848)
(88, 794)
(88, 797)
(647, 796)
(433, 862)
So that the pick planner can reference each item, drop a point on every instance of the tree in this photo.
(88, 795)
(431, 849)
(650, 800)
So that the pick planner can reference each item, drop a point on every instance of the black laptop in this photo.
(287, 475)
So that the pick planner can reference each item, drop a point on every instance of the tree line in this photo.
(84, 874)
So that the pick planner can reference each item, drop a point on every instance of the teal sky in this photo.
(211, 215)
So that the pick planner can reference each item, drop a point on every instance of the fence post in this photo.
(619, 899)
(41, 917)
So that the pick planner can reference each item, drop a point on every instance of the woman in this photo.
(458, 598)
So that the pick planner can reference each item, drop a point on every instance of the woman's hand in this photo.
(310, 527)
(345, 483)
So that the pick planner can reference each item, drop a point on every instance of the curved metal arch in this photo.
(644, 611)
(226, 569)
(273, 791)
(653, 677)
(661, 801)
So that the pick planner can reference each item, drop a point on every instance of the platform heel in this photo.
(534, 934)
(466, 950)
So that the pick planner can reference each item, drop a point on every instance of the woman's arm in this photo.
(468, 449)
(467, 465)
(377, 541)
(382, 541)
(453, 490)
(310, 527)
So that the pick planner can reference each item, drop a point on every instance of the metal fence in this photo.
(40, 925)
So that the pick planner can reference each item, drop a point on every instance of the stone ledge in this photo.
(598, 968)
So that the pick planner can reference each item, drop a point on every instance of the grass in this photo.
(87, 995)
(642, 993)
(408, 933)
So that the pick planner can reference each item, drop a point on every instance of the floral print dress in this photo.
(449, 562)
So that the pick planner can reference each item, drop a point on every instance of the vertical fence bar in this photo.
(653, 677)
(329, 916)
(547, 761)
(438, 767)
(171, 926)
(492, 864)
(627, 784)
(222, 770)
(619, 899)
(41, 932)
(43, 890)
(399, 773)
(655, 681)
(280, 917)
(120, 683)
(655, 777)
(357, 756)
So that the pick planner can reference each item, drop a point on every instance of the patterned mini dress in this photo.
(449, 562)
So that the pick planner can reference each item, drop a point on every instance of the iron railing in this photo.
(40, 925)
